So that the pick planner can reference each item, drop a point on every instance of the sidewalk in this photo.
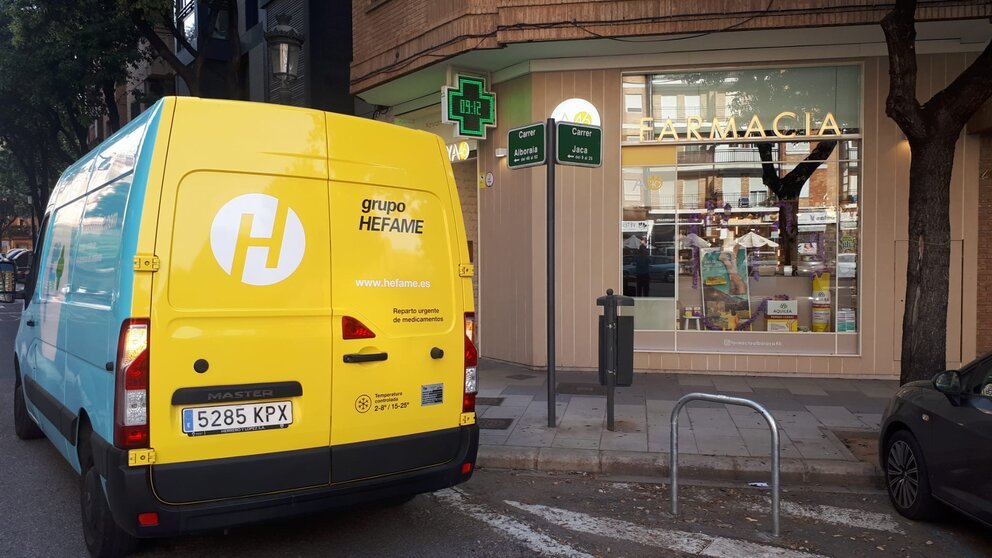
(815, 418)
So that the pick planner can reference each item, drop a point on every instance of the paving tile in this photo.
(695, 380)
(759, 443)
(532, 436)
(883, 389)
(823, 449)
(687, 444)
(838, 385)
(776, 399)
(871, 420)
(493, 437)
(525, 389)
(575, 443)
(490, 391)
(803, 432)
(865, 405)
(701, 415)
(751, 419)
(720, 445)
(803, 417)
(504, 412)
(764, 382)
(628, 399)
(731, 384)
(804, 387)
(834, 416)
(517, 400)
(624, 441)
(537, 412)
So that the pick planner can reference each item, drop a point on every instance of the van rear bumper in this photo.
(129, 490)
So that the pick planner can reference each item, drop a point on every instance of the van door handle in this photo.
(29, 323)
(363, 357)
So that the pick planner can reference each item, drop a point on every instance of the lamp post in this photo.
(284, 53)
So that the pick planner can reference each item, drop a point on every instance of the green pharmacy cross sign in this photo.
(469, 106)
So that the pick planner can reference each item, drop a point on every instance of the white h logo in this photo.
(267, 244)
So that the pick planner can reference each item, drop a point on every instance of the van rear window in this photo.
(94, 273)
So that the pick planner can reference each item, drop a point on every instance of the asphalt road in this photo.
(497, 513)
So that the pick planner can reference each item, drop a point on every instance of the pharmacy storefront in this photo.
(756, 213)
(740, 209)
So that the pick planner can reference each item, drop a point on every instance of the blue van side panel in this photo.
(94, 391)
(100, 199)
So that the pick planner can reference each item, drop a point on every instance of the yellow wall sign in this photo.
(459, 151)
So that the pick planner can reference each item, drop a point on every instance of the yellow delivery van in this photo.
(244, 311)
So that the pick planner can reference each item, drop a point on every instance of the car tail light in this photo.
(351, 328)
(131, 394)
(471, 365)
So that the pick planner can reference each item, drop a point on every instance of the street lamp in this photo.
(284, 51)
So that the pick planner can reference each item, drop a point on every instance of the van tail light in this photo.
(351, 328)
(131, 393)
(471, 365)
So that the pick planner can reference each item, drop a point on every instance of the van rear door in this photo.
(397, 396)
(241, 325)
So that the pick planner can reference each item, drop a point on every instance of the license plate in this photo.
(224, 419)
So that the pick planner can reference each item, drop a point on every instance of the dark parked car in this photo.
(662, 268)
(936, 444)
(22, 260)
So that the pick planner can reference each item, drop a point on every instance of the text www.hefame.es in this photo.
(392, 283)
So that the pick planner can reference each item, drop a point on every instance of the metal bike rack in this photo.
(776, 448)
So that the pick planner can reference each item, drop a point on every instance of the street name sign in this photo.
(579, 144)
(525, 146)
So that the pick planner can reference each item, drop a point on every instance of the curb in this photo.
(691, 466)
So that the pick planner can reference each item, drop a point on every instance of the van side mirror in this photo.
(948, 382)
(8, 283)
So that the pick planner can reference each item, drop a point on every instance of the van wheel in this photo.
(906, 477)
(104, 538)
(24, 425)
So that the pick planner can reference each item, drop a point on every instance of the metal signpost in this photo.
(583, 147)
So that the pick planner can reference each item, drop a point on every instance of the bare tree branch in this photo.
(901, 104)
(163, 50)
(789, 187)
(965, 95)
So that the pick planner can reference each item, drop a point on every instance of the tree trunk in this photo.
(924, 323)
(109, 90)
(788, 229)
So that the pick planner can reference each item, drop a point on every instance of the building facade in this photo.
(752, 197)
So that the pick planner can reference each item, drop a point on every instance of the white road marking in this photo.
(540, 543)
(857, 519)
(679, 541)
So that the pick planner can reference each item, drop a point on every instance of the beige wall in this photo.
(984, 271)
(512, 236)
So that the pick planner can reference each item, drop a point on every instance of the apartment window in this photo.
(186, 19)
(633, 103)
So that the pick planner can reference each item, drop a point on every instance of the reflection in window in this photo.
(60, 252)
(95, 272)
(732, 247)
(633, 103)
(669, 107)
(186, 19)
(757, 219)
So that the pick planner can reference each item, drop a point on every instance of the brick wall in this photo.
(466, 176)
(984, 324)
(396, 37)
